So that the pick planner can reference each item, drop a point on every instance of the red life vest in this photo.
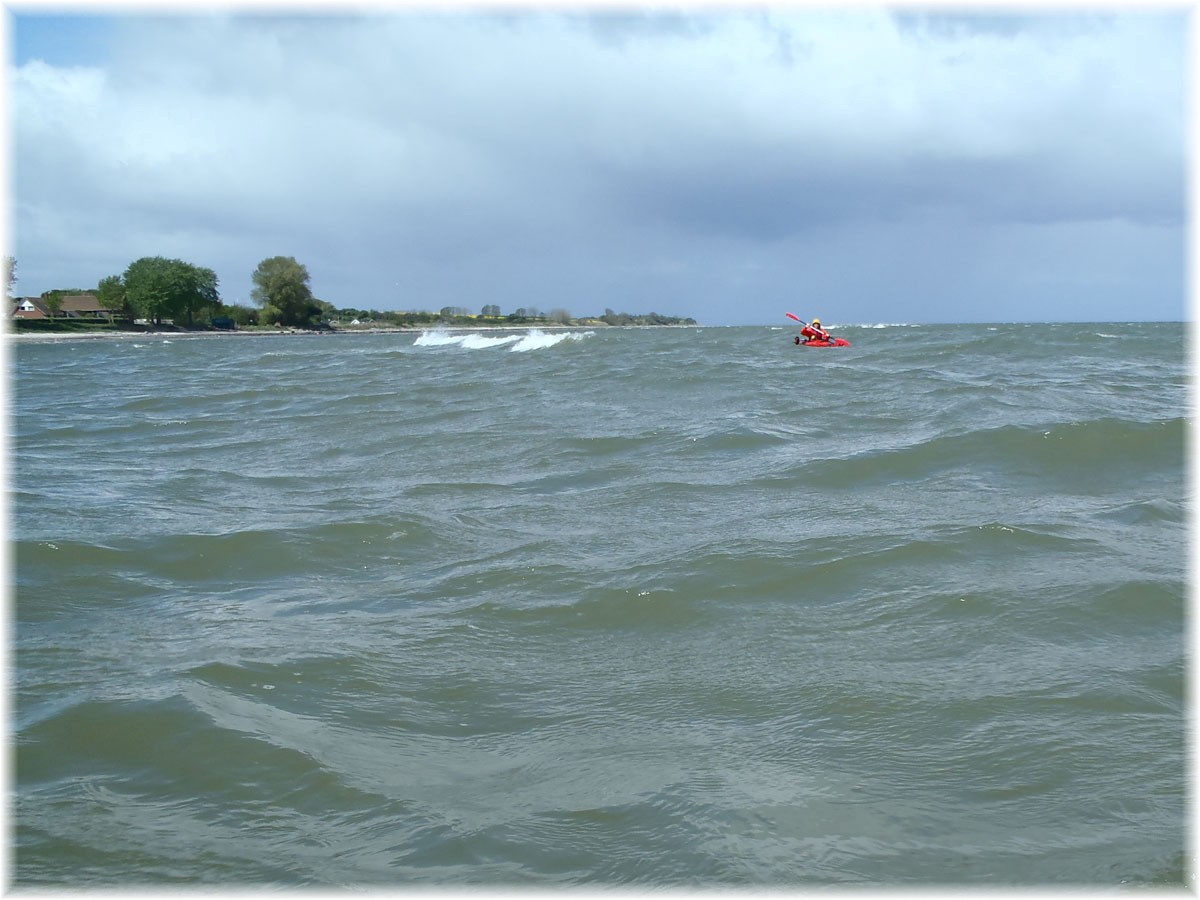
(814, 333)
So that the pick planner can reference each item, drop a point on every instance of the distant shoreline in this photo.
(12, 334)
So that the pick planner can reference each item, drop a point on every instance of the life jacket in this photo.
(814, 333)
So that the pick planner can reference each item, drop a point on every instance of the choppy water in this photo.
(644, 607)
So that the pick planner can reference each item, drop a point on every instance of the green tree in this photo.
(197, 289)
(326, 311)
(53, 302)
(112, 295)
(10, 275)
(281, 289)
(147, 288)
(158, 288)
(241, 315)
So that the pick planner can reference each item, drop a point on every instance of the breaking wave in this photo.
(534, 339)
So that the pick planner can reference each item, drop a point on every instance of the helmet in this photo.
(816, 321)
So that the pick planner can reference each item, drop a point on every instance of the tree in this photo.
(326, 310)
(241, 315)
(10, 275)
(158, 288)
(112, 295)
(281, 289)
(197, 290)
(147, 290)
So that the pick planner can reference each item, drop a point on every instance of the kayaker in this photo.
(815, 332)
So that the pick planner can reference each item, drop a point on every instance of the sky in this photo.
(861, 164)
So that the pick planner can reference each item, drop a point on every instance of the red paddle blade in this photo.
(794, 317)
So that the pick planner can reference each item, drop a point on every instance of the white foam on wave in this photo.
(483, 341)
(535, 339)
(539, 340)
(437, 339)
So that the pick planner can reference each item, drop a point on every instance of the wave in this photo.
(683, 607)
(1082, 453)
(534, 339)
(131, 567)
(437, 339)
(538, 340)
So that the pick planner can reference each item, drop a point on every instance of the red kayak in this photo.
(836, 342)
(816, 338)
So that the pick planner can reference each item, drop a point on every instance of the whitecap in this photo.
(539, 340)
(437, 339)
(484, 341)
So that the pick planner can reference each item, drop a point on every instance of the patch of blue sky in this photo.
(61, 40)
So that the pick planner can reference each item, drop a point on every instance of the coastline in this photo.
(13, 335)
(51, 336)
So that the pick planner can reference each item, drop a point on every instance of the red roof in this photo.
(21, 308)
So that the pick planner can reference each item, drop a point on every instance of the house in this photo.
(69, 306)
(83, 306)
(30, 308)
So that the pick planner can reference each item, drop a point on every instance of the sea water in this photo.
(656, 608)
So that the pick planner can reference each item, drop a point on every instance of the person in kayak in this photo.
(815, 332)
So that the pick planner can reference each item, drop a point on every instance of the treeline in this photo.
(491, 316)
(653, 318)
(155, 290)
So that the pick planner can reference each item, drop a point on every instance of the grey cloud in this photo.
(664, 158)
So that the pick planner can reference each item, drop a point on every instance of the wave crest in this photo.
(534, 339)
